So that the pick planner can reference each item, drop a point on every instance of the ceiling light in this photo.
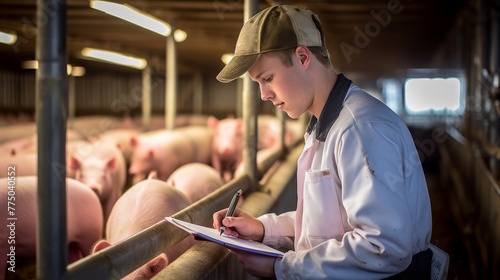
(227, 57)
(114, 57)
(29, 64)
(76, 71)
(7, 38)
(180, 35)
(131, 14)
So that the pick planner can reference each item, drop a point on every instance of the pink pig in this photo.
(121, 138)
(227, 146)
(102, 167)
(195, 180)
(26, 164)
(83, 213)
(141, 206)
(164, 151)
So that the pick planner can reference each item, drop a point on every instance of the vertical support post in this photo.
(71, 101)
(494, 69)
(198, 92)
(51, 111)
(239, 98)
(146, 98)
(282, 127)
(250, 110)
(171, 82)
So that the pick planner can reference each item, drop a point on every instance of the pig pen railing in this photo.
(201, 259)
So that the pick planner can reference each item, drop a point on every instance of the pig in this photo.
(14, 146)
(103, 169)
(83, 215)
(121, 138)
(26, 164)
(141, 206)
(164, 151)
(16, 131)
(195, 180)
(29, 144)
(157, 122)
(269, 131)
(227, 145)
(261, 156)
(93, 125)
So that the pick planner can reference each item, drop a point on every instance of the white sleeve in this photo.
(279, 230)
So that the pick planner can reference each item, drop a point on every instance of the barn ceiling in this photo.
(395, 34)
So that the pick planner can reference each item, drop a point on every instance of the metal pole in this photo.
(171, 82)
(250, 110)
(146, 98)
(71, 101)
(51, 110)
(198, 93)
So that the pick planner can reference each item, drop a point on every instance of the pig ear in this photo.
(74, 163)
(156, 265)
(239, 123)
(134, 141)
(151, 153)
(212, 122)
(153, 175)
(100, 245)
(111, 164)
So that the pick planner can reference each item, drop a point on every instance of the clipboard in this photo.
(212, 235)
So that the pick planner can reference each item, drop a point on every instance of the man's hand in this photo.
(241, 225)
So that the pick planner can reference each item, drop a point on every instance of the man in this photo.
(363, 210)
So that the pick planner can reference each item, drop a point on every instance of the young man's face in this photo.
(285, 86)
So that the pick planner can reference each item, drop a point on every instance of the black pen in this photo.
(232, 207)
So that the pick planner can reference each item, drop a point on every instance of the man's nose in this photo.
(265, 93)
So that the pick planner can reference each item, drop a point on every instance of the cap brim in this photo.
(237, 67)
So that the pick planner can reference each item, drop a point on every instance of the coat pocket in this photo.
(322, 218)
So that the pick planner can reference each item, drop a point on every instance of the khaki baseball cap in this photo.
(276, 28)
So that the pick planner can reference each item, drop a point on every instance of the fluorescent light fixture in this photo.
(29, 64)
(33, 64)
(7, 38)
(180, 35)
(226, 57)
(78, 71)
(114, 57)
(131, 14)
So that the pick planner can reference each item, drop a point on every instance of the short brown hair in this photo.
(320, 53)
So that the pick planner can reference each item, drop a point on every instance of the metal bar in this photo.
(71, 101)
(203, 258)
(146, 98)
(171, 82)
(250, 110)
(51, 110)
(198, 93)
(120, 259)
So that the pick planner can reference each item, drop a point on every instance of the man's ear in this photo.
(100, 245)
(303, 54)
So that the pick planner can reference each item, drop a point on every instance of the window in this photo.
(437, 96)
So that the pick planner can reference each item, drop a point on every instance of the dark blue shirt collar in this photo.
(331, 110)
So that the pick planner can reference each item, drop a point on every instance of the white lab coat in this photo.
(363, 207)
